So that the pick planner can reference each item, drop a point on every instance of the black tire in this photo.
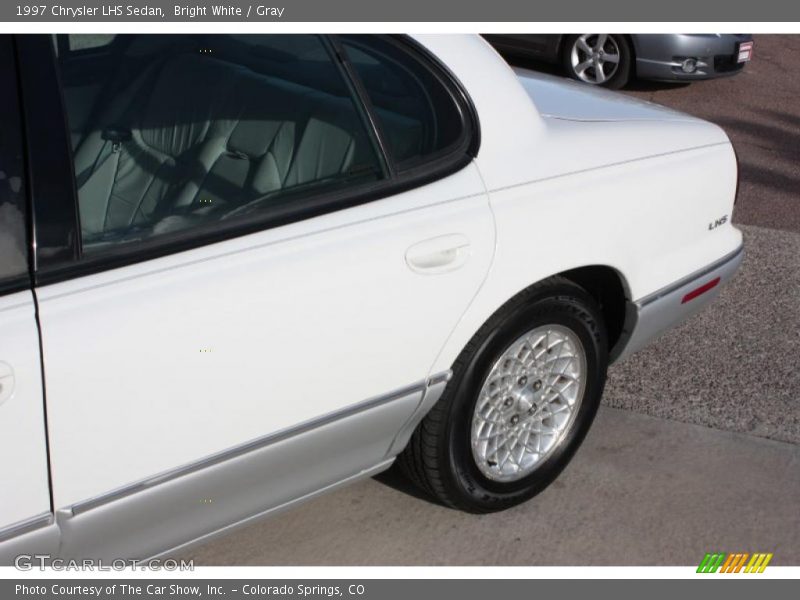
(439, 458)
(624, 69)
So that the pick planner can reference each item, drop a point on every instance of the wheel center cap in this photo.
(528, 397)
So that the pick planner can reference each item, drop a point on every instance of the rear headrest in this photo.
(186, 97)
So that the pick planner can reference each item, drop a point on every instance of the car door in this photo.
(26, 520)
(234, 353)
(535, 45)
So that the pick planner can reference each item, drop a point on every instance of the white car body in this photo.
(195, 392)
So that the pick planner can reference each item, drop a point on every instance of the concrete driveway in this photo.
(698, 447)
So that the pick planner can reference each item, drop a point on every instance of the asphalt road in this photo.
(705, 453)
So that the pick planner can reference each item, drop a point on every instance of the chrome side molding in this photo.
(669, 306)
(442, 377)
(665, 291)
(26, 526)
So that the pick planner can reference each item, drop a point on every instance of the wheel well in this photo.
(632, 46)
(608, 289)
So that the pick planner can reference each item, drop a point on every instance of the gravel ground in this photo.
(734, 366)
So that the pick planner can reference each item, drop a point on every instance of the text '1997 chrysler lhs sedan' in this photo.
(241, 270)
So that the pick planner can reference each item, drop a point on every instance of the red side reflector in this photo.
(701, 290)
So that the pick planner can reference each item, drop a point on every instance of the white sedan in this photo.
(260, 267)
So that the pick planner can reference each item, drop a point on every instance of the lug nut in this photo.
(537, 385)
(508, 401)
(522, 380)
(515, 419)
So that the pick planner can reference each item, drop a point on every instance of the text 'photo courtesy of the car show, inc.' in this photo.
(379, 301)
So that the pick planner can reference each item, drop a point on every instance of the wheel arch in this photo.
(559, 46)
(605, 284)
(633, 44)
(610, 290)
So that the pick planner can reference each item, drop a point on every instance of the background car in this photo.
(611, 60)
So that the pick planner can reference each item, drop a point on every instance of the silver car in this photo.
(611, 60)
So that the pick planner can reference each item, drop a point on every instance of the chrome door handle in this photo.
(438, 255)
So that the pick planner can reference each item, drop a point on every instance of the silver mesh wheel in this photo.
(528, 402)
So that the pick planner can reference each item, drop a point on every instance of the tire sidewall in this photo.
(570, 309)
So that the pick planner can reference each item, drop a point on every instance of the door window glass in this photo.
(194, 132)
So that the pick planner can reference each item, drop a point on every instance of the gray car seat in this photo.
(195, 137)
(148, 142)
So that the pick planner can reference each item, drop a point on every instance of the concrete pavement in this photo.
(641, 491)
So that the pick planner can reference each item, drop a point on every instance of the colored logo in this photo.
(735, 562)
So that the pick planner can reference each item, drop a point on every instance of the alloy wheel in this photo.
(528, 402)
(595, 57)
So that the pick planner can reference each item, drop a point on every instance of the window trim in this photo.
(471, 137)
(469, 140)
(361, 99)
(61, 189)
(10, 109)
(51, 182)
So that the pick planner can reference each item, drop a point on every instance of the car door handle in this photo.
(438, 255)
(6, 381)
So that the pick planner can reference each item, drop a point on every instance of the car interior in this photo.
(187, 130)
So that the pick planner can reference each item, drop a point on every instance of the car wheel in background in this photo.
(602, 59)
(523, 394)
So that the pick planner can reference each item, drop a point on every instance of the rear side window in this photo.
(188, 133)
(417, 114)
(13, 244)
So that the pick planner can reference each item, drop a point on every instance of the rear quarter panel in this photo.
(636, 195)
(646, 218)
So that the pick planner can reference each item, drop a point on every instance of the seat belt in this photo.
(115, 136)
